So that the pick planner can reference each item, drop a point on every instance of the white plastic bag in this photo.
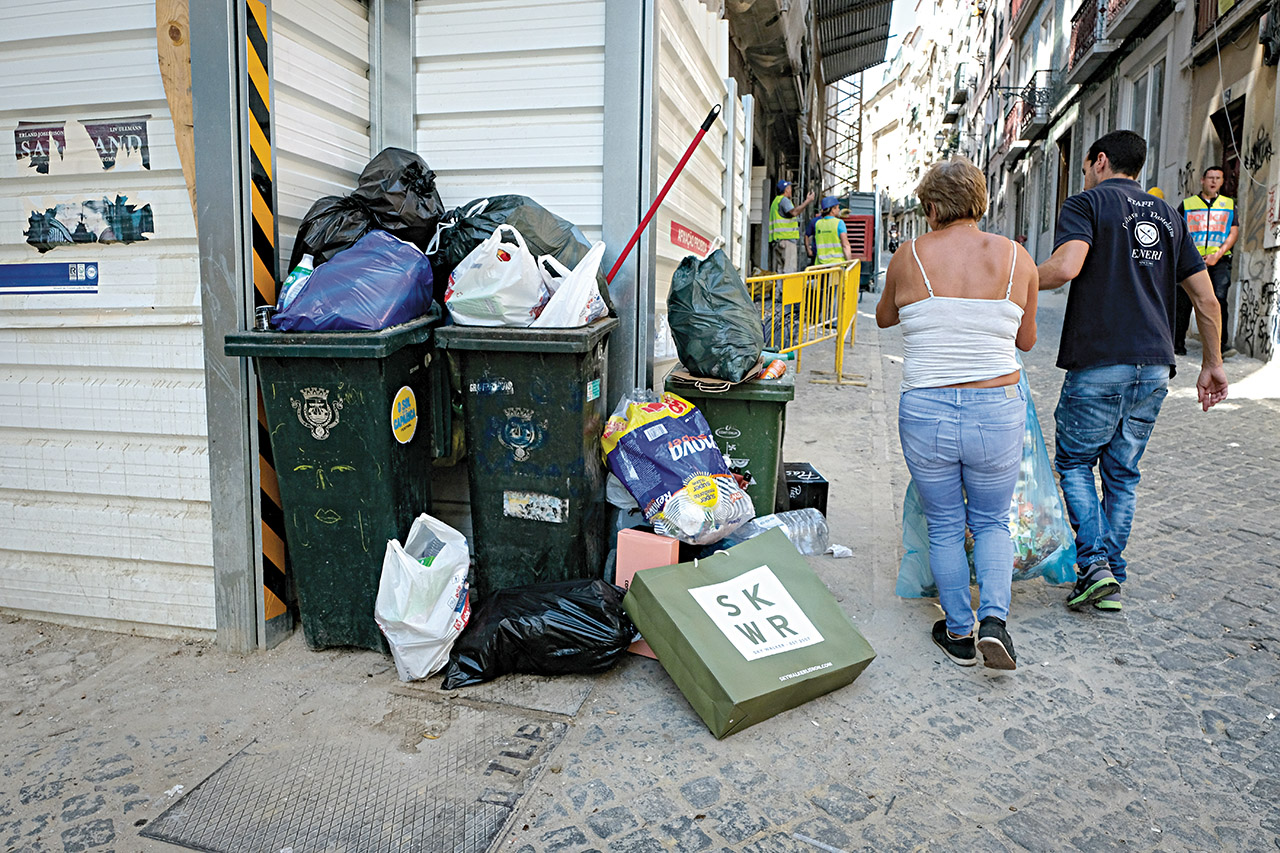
(575, 297)
(497, 284)
(422, 603)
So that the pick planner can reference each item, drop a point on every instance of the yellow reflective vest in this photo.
(1209, 222)
(781, 227)
(826, 239)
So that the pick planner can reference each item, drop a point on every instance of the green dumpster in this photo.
(534, 409)
(353, 419)
(748, 422)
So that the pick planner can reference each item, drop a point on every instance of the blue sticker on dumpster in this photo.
(521, 434)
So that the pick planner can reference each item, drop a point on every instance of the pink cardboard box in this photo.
(638, 550)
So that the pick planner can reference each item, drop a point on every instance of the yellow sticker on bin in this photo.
(404, 415)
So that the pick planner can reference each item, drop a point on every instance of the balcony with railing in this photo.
(1011, 142)
(1037, 104)
(964, 84)
(1089, 43)
(1124, 16)
(1209, 12)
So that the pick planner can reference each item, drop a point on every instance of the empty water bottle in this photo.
(806, 528)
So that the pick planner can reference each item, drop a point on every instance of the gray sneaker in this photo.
(1095, 583)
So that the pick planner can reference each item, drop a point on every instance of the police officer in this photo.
(830, 235)
(784, 229)
(1211, 218)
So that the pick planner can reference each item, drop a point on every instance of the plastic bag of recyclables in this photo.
(1043, 542)
(498, 284)
(423, 602)
(662, 450)
(575, 300)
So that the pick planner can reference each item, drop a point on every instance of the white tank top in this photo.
(947, 340)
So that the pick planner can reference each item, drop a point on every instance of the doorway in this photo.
(1229, 124)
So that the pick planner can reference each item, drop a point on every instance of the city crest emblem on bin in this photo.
(521, 434)
(316, 413)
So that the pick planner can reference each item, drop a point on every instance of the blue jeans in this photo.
(1105, 416)
(966, 442)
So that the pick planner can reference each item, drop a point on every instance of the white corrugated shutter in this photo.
(510, 99)
(104, 481)
(320, 71)
(693, 51)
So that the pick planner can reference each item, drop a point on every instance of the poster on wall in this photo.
(60, 222)
(23, 279)
(84, 146)
(36, 141)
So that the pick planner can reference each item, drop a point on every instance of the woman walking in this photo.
(965, 299)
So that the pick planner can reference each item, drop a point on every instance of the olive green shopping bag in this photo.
(747, 633)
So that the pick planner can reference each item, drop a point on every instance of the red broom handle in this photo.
(653, 208)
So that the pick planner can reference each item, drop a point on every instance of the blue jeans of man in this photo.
(963, 447)
(1104, 418)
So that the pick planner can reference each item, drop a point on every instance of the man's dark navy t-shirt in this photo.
(1120, 309)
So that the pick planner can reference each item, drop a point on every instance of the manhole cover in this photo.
(453, 795)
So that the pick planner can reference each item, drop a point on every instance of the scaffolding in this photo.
(842, 154)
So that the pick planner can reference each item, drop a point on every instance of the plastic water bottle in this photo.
(806, 528)
(296, 279)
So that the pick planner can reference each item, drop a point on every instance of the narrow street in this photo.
(1153, 729)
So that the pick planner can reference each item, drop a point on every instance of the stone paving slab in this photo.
(1154, 729)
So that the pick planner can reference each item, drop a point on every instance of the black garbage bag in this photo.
(333, 223)
(466, 227)
(399, 190)
(560, 628)
(715, 325)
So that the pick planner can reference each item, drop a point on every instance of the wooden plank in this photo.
(173, 49)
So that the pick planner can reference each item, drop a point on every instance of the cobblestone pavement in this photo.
(1153, 729)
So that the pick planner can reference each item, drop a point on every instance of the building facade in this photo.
(1045, 78)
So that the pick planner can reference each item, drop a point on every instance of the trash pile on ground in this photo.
(397, 317)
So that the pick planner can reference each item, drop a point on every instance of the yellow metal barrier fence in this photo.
(801, 309)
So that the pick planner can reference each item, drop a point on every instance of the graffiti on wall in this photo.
(1258, 154)
(1259, 324)
(1188, 180)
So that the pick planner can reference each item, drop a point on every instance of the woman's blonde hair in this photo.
(956, 188)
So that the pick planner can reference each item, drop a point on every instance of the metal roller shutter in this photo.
(104, 480)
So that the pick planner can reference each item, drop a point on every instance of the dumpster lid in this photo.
(354, 344)
(515, 339)
(780, 390)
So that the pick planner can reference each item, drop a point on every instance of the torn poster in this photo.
(35, 140)
(88, 221)
(118, 137)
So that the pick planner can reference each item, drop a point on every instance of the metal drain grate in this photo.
(453, 795)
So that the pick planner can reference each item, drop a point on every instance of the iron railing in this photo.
(1037, 99)
(1086, 30)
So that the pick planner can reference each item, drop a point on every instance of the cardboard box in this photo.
(805, 486)
(639, 550)
(747, 633)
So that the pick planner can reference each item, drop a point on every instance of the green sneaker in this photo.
(1096, 583)
(1109, 602)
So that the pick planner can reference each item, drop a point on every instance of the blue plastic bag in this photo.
(1043, 542)
(379, 282)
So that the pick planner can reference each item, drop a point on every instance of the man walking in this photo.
(1126, 252)
(1214, 225)
(784, 229)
